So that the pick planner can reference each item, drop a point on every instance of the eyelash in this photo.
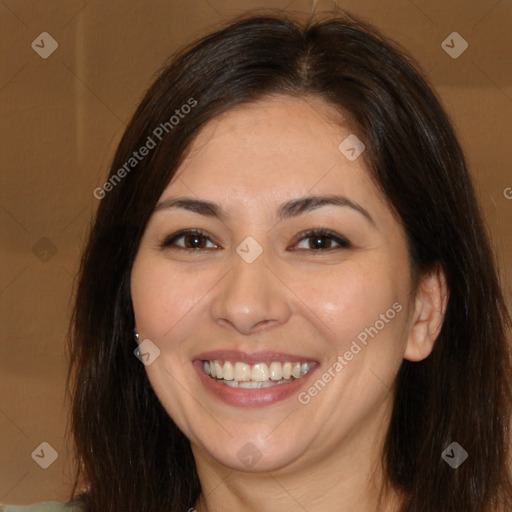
(319, 233)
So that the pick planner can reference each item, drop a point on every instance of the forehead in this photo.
(275, 148)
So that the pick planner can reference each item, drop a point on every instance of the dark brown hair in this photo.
(130, 453)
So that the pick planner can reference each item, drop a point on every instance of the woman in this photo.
(288, 300)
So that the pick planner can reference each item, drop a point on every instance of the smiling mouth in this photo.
(260, 375)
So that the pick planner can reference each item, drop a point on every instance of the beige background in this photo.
(63, 116)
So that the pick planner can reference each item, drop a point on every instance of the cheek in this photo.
(350, 299)
(163, 295)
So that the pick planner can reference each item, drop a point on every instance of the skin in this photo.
(324, 454)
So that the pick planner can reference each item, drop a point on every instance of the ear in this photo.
(428, 316)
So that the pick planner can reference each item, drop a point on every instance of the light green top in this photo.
(47, 506)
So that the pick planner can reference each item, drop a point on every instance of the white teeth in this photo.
(251, 384)
(260, 372)
(242, 372)
(218, 369)
(259, 375)
(265, 384)
(228, 371)
(287, 370)
(276, 371)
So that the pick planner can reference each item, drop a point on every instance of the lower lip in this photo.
(255, 397)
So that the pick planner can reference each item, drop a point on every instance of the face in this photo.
(307, 298)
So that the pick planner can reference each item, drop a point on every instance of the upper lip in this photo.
(251, 358)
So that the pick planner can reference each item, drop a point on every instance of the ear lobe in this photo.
(429, 311)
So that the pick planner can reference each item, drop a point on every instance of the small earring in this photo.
(136, 336)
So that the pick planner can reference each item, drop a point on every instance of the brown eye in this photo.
(190, 240)
(320, 240)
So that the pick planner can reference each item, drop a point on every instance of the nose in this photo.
(251, 297)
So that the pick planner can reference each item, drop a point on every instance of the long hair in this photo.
(129, 452)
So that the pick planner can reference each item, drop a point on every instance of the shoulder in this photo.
(47, 506)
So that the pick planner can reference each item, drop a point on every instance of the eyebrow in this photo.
(289, 209)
